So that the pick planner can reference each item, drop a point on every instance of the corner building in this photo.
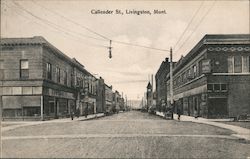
(38, 81)
(213, 79)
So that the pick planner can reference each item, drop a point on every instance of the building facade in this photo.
(213, 79)
(161, 85)
(108, 99)
(38, 81)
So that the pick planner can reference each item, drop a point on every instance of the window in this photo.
(65, 77)
(72, 79)
(237, 64)
(24, 69)
(245, 62)
(1, 64)
(49, 71)
(230, 62)
(195, 70)
(1, 70)
(58, 75)
(200, 67)
(249, 63)
(223, 87)
(216, 87)
(210, 87)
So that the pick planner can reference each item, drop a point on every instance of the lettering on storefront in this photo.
(61, 94)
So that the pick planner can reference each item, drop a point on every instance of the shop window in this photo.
(52, 107)
(223, 87)
(237, 64)
(31, 111)
(210, 87)
(49, 71)
(24, 69)
(216, 87)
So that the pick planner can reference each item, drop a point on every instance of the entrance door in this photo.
(217, 108)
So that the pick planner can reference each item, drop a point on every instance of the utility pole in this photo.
(171, 83)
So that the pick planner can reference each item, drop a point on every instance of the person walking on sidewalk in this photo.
(72, 114)
(195, 114)
(179, 113)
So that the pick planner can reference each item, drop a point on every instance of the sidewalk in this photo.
(240, 132)
(18, 124)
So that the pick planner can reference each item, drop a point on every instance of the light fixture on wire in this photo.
(110, 49)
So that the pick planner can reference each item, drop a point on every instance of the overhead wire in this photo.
(68, 19)
(189, 24)
(203, 17)
(115, 41)
(55, 26)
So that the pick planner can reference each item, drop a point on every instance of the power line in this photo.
(147, 47)
(96, 32)
(72, 21)
(50, 24)
(196, 26)
(190, 22)
(47, 21)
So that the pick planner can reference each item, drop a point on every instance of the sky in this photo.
(63, 23)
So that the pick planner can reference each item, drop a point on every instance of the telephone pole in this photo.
(171, 84)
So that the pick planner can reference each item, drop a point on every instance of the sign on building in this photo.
(206, 66)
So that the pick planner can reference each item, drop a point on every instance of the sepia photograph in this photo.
(125, 79)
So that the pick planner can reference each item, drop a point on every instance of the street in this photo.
(125, 135)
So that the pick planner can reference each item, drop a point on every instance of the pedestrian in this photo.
(195, 114)
(179, 113)
(72, 114)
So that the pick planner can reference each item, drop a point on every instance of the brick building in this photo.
(38, 81)
(161, 85)
(213, 79)
(108, 99)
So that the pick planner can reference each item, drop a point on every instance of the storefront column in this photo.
(41, 107)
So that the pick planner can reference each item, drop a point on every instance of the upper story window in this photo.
(24, 69)
(238, 64)
(195, 70)
(1, 70)
(65, 78)
(49, 71)
(58, 75)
